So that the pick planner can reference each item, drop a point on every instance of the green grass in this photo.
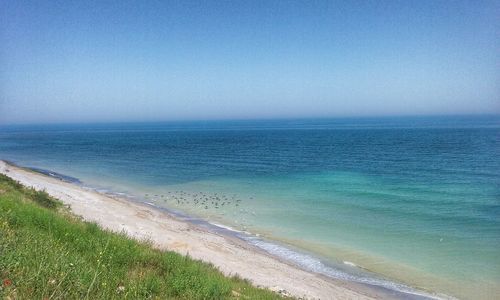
(48, 253)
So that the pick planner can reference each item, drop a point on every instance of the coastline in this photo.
(231, 251)
(167, 232)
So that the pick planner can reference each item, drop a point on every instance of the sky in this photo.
(86, 61)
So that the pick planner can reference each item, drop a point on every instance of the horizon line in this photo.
(250, 119)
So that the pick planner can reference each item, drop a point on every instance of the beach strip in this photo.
(230, 255)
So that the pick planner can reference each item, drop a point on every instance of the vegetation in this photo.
(48, 253)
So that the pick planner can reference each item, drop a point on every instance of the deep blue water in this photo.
(416, 199)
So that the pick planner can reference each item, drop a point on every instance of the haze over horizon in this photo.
(131, 61)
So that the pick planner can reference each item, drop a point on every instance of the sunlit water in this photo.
(416, 200)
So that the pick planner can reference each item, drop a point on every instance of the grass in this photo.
(48, 253)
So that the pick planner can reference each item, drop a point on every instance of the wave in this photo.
(313, 264)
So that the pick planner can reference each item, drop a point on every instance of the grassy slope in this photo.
(48, 253)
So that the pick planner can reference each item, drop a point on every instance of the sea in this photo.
(406, 204)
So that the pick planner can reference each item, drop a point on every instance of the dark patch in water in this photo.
(59, 176)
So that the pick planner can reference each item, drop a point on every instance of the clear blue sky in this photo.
(85, 61)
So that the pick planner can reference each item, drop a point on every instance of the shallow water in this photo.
(416, 200)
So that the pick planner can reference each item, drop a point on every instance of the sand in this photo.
(228, 254)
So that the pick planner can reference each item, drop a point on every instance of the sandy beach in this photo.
(228, 254)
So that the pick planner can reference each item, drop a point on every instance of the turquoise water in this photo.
(416, 200)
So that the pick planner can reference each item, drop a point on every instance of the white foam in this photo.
(313, 264)
(349, 263)
(226, 227)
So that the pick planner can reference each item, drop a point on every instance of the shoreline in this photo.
(168, 231)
